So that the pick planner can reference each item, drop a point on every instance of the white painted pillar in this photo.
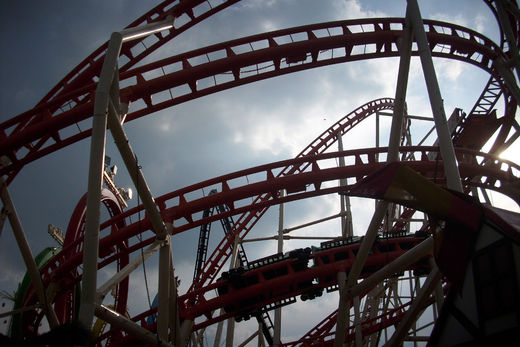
(446, 145)
(278, 311)
(346, 213)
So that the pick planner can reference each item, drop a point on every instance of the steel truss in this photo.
(107, 85)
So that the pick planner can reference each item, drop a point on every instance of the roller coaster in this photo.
(393, 282)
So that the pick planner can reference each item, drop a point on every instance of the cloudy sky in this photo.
(236, 129)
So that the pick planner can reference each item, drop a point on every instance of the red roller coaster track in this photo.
(48, 127)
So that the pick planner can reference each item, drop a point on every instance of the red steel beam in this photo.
(183, 212)
(378, 40)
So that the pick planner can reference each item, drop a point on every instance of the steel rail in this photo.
(64, 95)
(378, 40)
(299, 185)
(55, 134)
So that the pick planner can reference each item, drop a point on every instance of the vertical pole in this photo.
(377, 130)
(230, 329)
(186, 328)
(346, 213)
(27, 256)
(3, 216)
(343, 311)
(163, 304)
(355, 271)
(95, 181)
(278, 310)
(260, 336)
(446, 146)
(174, 309)
(357, 323)
(230, 332)
(405, 53)
(218, 334)
(439, 293)
(414, 310)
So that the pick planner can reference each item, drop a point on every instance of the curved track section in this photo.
(186, 214)
(247, 221)
(66, 284)
(277, 282)
(70, 93)
(493, 91)
(236, 63)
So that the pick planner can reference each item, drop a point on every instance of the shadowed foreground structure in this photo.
(438, 265)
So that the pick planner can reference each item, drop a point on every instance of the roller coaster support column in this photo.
(364, 248)
(175, 327)
(117, 320)
(158, 225)
(108, 85)
(410, 257)
(446, 145)
(346, 213)
(230, 329)
(415, 309)
(405, 53)
(382, 206)
(278, 311)
(163, 295)
(25, 250)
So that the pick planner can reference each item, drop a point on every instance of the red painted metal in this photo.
(65, 302)
(239, 301)
(498, 176)
(45, 128)
(76, 89)
(34, 129)
(247, 220)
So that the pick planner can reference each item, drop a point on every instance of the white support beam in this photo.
(133, 329)
(358, 334)
(108, 85)
(147, 29)
(357, 267)
(317, 221)
(3, 216)
(163, 302)
(396, 266)
(393, 155)
(347, 229)
(405, 53)
(218, 334)
(103, 290)
(249, 339)
(95, 180)
(230, 332)
(446, 146)
(135, 172)
(230, 328)
(25, 250)
(343, 311)
(175, 327)
(416, 307)
(186, 329)
(278, 311)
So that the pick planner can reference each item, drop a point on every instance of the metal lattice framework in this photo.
(136, 91)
